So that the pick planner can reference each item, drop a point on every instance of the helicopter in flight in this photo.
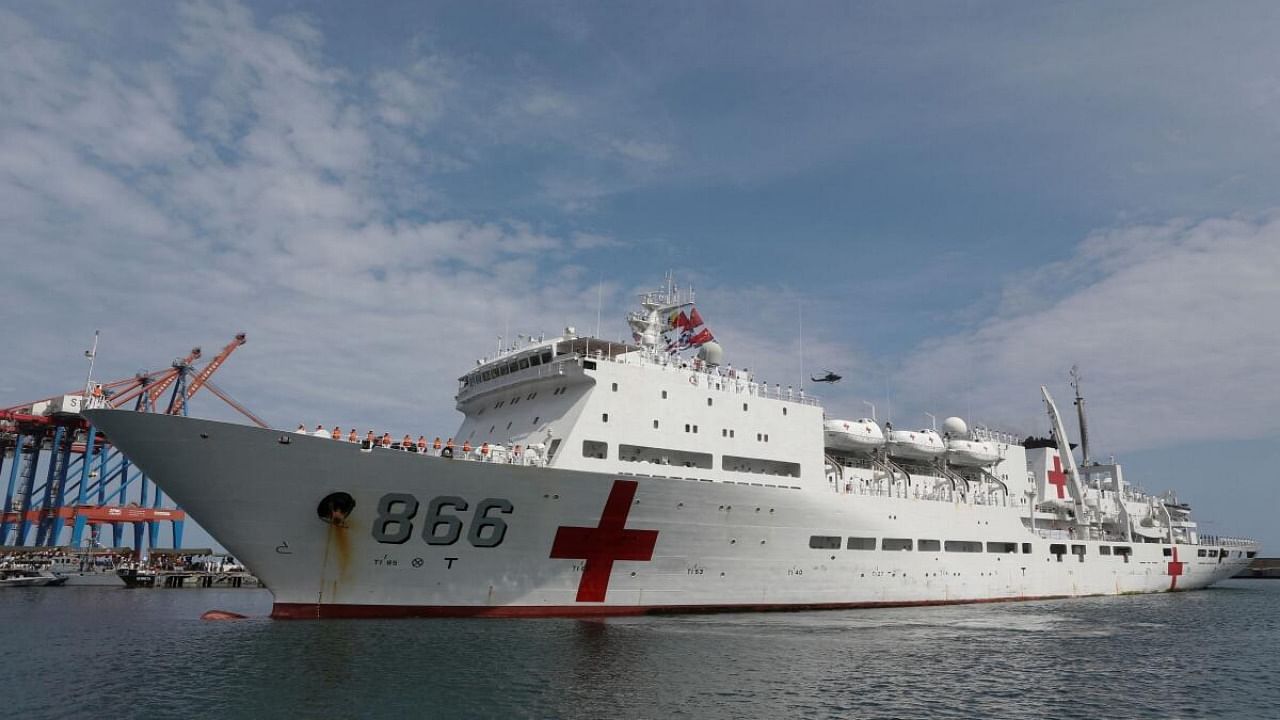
(830, 377)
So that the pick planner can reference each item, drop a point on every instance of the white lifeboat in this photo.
(856, 436)
(916, 444)
(971, 453)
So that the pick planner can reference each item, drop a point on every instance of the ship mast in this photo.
(1084, 426)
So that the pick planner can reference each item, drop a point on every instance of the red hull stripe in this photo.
(308, 611)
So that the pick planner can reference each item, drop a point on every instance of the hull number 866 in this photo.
(441, 524)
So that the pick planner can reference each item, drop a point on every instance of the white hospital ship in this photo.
(592, 477)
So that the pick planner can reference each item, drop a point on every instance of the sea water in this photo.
(102, 652)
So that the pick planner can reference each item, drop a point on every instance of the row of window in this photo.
(599, 450)
(693, 429)
(710, 401)
(516, 400)
(518, 364)
(833, 542)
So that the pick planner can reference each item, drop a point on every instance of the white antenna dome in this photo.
(711, 353)
(955, 427)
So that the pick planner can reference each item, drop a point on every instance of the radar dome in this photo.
(955, 427)
(711, 353)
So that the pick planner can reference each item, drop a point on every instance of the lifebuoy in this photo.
(693, 379)
(447, 452)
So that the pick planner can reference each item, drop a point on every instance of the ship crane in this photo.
(1064, 449)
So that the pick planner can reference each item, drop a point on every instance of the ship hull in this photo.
(430, 536)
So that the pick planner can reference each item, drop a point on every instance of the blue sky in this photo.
(961, 199)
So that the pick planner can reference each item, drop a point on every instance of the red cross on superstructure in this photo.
(609, 541)
(1057, 478)
(1175, 569)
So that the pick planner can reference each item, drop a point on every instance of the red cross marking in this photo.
(609, 541)
(1175, 569)
(1057, 478)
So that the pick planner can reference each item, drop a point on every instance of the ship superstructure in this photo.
(598, 477)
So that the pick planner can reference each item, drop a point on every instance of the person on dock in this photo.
(369, 440)
(386, 440)
(321, 432)
(422, 444)
(302, 428)
(337, 433)
(352, 437)
(406, 443)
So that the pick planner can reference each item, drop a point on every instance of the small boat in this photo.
(22, 577)
(923, 444)
(855, 436)
(972, 453)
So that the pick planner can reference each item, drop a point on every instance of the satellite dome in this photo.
(711, 353)
(955, 427)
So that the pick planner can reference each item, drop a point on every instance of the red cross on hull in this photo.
(606, 543)
(1175, 569)
(1057, 478)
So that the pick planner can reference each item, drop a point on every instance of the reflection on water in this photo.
(145, 653)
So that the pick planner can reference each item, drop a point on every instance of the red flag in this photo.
(682, 321)
(700, 338)
(694, 319)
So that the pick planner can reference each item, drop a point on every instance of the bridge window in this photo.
(861, 543)
(1202, 552)
(708, 402)
(760, 466)
(1104, 549)
(930, 546)
(1026, 548)
(895, 544)
(1002, 547)
(824, 542)
(655, 424)
(744, 407)
(1058, 549)
(1078, 551)
(595, 449)
(588, 364)
(604, 417)
(664, 394)
(664, 456)
(1168, 552)
(615, 387)
(965, 546)
(524, 363)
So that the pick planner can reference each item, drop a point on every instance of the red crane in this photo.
(205, 373)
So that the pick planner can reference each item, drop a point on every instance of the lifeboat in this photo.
(971, 453)
(916, 444)
(855, 436)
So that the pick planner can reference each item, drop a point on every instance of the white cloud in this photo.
(230, 185)
(642, 150)
(1173, 326)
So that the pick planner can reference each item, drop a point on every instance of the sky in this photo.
(949, 204)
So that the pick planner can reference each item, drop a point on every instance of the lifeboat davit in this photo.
(916, 444)
(855, 436)
(971, 453)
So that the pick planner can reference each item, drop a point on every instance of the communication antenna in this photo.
(800, 314)
(92, 354)
(599, 300)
